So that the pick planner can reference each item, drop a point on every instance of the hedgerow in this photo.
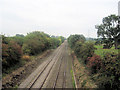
(11, 54)
(84, 50)
(109, 75)
(105, 70)
(19, 47)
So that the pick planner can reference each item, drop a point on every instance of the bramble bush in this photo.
(11, 54)
(106, 70)
(109, 75)
(94, 63)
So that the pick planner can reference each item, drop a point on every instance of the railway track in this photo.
(31, 80)
(57, 74)
(64, 76)
(61, 75)
(60, 79)
(39, 77)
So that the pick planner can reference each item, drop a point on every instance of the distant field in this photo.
(100, 51)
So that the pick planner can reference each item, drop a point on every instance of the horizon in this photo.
(48, 34)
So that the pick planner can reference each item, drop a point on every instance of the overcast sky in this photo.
(55, 17)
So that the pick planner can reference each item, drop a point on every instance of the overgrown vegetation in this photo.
(19, 48)
(82, 48)
(104, 67)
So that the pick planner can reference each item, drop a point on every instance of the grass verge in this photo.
(73, 81)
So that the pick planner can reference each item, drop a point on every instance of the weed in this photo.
(15, 87)
(73, 81)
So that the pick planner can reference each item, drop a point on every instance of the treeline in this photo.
(13, 48)
(105, 71)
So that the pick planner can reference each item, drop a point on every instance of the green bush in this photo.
(19, 39)
(37, 42)
(81, 48)
(72, 39)
(109, 75)
(84, 50)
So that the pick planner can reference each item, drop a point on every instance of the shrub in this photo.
(4, 55)
(19, 40)
(11, 54)
(109, 75)
(37, 42)
(54, 42)
(84, 50)
(31, 44)
(94, 63)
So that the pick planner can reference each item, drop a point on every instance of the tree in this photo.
(19, 35)
(109, 30)
(75, 38)
(35, 42)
